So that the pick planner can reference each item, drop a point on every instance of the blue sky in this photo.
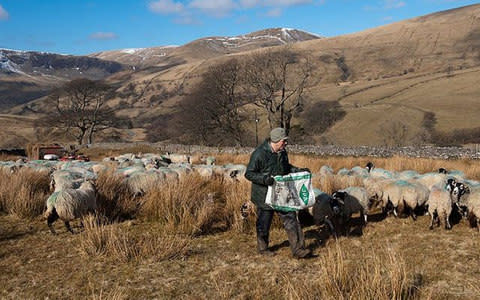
(86, 26)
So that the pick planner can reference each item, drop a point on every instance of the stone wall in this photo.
(327, 150)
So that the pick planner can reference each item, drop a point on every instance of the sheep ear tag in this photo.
(304, 194)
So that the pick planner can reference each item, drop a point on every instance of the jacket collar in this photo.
(266, 146)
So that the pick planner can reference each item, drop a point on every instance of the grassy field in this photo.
(187, 239)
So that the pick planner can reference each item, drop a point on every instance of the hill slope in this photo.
(397, 72)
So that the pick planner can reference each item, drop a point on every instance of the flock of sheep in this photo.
(72, 183)
(408, 193)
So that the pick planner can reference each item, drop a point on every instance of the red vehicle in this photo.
(79, 157)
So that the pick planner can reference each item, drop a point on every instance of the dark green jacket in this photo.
(265, 163)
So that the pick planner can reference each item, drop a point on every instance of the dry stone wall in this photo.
(321, 150)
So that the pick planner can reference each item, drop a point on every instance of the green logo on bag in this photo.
(304, 195)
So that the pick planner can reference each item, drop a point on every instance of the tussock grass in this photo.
(111, 240)
(338, 273)
(24, 193)
(194, 205)
(114, 198)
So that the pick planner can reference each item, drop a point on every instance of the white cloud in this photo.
(220, 8)
(186, 20)
(389, 4)
(249, 3)
(286, 2)
(387, 18)
(103, 36)
(274, 12)
(3, 14)
(166, 7)
(217, 8)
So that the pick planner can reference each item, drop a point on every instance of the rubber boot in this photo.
(262, 246)
(295, 236)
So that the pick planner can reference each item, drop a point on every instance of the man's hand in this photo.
(269, 181)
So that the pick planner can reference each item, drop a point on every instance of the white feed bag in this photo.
(291, 192)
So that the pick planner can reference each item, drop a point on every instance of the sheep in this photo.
(440, 202)
(375, 186)
(324, 210)
(370, 166)
(442, 171)
(143, 182)
(431, 179)
(205, 171)
(235, 171)
(408, 175)
(469, 203)
(359, 172)
(414, 195)
(353, 199)
(64, 179)
(392, 197)
(178, 158)
(69, 204)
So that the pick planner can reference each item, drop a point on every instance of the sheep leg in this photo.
(52, 217)
(447, 222)
(67, 224)
(414, 216)
(434, 215)
(331, 228)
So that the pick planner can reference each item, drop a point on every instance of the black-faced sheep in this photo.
(324, 211)
(469, 203)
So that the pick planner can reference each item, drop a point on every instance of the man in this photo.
(268, 160)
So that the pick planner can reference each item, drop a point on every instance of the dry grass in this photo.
(187, 239)
(23, 193)
(115, 200)
(195, 205)
(114, 241)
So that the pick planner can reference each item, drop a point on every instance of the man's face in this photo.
(280, 145)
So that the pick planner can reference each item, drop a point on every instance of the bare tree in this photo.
(213, 110)
(276, 81)
(81, 109)
(394, 133)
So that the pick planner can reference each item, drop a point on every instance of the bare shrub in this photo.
(394, 133)
(322, 115)
(24, 193)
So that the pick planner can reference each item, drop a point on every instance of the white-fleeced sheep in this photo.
(469, 202)
(141, 183)
(64, 179)
(326, 171)
(178, 158)
(415, 195)
(69, 204)
(440, 205)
